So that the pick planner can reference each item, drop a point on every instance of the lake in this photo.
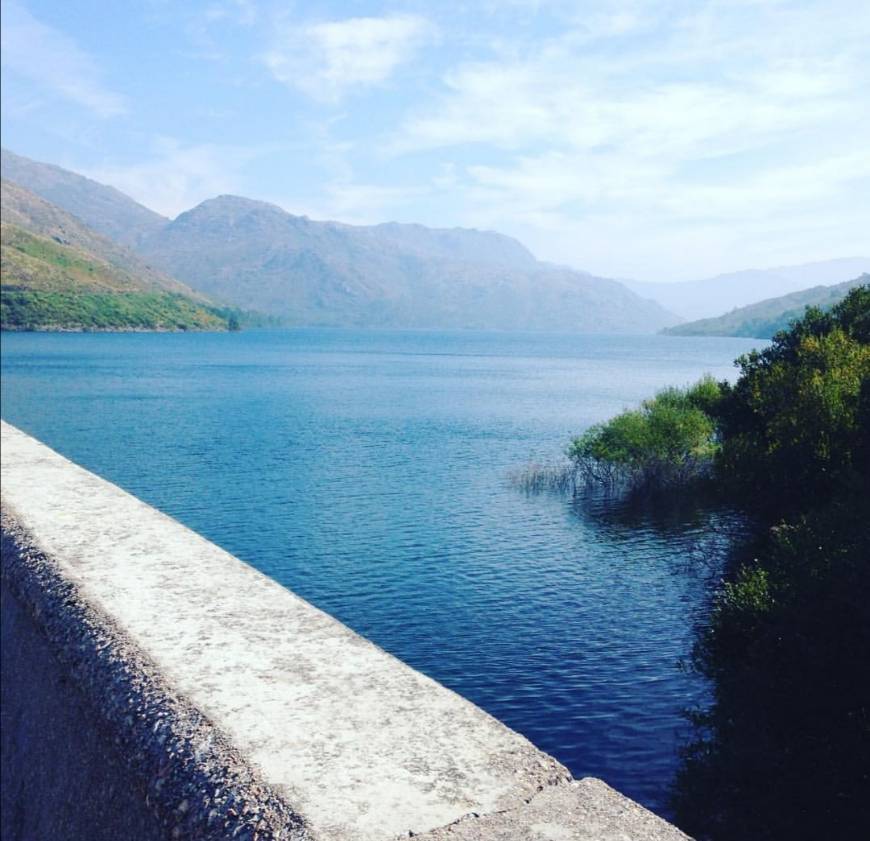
(367, 471)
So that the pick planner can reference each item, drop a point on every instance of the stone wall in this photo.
(154, 686)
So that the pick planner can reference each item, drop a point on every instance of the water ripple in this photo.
(366, 471)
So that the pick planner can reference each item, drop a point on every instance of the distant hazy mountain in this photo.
(765, 318)
(258, 256)
(462, 244)
(104, 209)
(709, 297)
(55, 273)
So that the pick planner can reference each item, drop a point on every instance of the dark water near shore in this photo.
(367, 472)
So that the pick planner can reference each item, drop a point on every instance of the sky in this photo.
(662, 140)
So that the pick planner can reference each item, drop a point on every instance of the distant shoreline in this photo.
(59, 328)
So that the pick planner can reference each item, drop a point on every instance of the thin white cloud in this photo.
(207, 27)
(241, 12)
(51, 59)
(325, 60)
(705, 132)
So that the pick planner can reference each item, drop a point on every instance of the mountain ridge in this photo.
(257, 255)
(57, 274)
(763, 319)
(710, 297)
(101, 207)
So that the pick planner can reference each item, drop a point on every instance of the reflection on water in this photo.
(366, 471)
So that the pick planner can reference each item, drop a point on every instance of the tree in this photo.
(793, 424)
(784, 751)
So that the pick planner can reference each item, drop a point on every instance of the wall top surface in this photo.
(360, 744)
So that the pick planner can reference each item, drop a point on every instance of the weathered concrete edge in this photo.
(577, 810)
(196, 783)
(197, 780)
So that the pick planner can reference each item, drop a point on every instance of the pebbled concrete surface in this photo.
(580, 810)
(54, 751)
(96, 744)
(242, 710)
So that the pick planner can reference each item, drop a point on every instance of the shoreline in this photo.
(57, 328)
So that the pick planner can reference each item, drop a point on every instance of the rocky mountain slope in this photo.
(258, 256)
(103, 209)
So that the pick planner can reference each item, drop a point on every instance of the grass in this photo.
(48, 285)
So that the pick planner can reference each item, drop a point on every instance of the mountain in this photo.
(258, 256)
(103, 209)
(26, 210)
(709, 297)
(55, 273)
(460, 244)
(765, 318)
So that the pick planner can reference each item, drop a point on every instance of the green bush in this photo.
(784, 751)
(669, 439)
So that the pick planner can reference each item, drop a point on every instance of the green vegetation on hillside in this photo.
(49, 285)
(28, 309)
(783, 752)
(767, 318)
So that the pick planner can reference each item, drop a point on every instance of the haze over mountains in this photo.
(392, 275)
(765, 318)
(257, 256)
(714, 296)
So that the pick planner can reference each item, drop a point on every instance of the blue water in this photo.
(367, 472)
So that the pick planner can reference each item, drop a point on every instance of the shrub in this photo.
(784, 751)
(670, 439)
(795, 424)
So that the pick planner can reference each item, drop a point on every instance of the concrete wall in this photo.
(154, 686)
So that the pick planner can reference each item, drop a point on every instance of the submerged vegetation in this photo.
(670, 440)
(783, 751)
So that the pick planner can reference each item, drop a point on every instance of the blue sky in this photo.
(656, 140)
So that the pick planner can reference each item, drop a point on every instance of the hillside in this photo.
(58, 274)
(255, 255)
(258, 256)
(714, 295)
(103, 209)
(28, 211)
(766, 318)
